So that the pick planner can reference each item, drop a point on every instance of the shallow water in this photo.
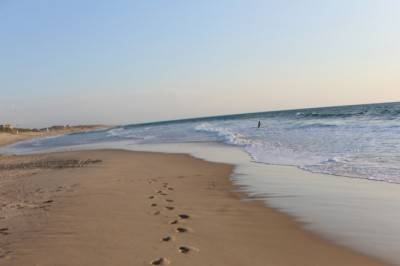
(356, 141)
(357, 213)
(353, 212)
(360, 141)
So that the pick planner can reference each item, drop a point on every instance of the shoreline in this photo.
(222, 228)
(8, 138)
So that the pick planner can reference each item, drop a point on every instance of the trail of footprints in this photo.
(179, 229)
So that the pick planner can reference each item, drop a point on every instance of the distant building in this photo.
(6, 127)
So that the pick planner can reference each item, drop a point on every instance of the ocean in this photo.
(318, 165)
(361, 141)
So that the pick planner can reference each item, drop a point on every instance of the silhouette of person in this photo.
(259, 124)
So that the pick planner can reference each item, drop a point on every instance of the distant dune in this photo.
(9, 134)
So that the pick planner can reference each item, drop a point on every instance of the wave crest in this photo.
(227, 134)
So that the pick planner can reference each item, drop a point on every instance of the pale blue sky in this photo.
(132, 61)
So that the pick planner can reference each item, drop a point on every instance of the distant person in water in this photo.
(259, 124)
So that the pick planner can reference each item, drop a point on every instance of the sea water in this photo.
(340, 153)
(356, 141)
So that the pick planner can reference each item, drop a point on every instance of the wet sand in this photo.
(7, 138)
(114, 207)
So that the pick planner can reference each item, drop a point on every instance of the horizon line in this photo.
(249, 113)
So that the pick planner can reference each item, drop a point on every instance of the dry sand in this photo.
(122, 208)
(9, 138)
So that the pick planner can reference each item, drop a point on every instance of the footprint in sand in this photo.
(173, 222)
(156, 213)
(170, 208)
(170, 188)
(4, 231)
(166, 239)
(183, 216)
(153, 205)
(184, 249)
(160, 261)
(181, 230)
(169, 200)
(161, 193)
(151, 197)
(5, 254)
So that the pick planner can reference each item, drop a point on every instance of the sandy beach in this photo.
(199, 133)
(114, 207)
(7, 138)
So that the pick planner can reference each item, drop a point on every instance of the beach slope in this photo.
(114, 207)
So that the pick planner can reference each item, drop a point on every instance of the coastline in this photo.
(7, 138)
(222, 228)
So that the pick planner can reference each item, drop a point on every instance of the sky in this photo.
(125, 61)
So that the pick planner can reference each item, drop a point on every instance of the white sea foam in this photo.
(356, 141)
(363, 149)
(227, 134)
